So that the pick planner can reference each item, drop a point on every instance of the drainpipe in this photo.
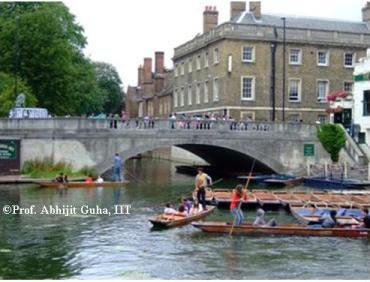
(273, 75)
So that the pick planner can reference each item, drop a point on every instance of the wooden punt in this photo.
(281, 230)
(335, 199)
(286, 198)
(223, 199)
(169, 221)
(311, 215)
(79, 184)
(283, 181)
(306, 197)
(267, 199)
(361, 200)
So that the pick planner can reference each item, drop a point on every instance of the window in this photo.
(190, 65)
(182, 97)
(197, 94)
(198, 62)
(349, 60)
(348, 86)
(295, 57)
(295, 90)
(322, 90)
(190, 95)
(322, 58)
(175, 98)
(321, 118)
(206, 63)
(247, 88)
(366, 103)
(182, 69)
(248, 54)
(176, 70)
(216, 58)
(215, 90)
(206, 98)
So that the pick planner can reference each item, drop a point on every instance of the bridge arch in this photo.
(214, 152)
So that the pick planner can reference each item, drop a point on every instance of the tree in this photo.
(8, 96)
(41, 43)
(110, 82)
(333, 139)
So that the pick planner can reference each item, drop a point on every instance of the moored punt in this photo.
(281, 181)
(287, 198)
(311, 215)
(79, 184)
(223, 199)
(169, 221)
(306, 197)
(284, 230)
(335, 199)
(267, 199)
(361, 200)
(257, 178)
(325, 183)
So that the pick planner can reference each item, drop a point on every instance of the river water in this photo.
(124, 246)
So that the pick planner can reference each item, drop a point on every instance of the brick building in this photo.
(153, 94)
(237, 68)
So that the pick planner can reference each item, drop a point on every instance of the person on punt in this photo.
(169, 210)
(89, 179)
(195, 209)
(99, 179)
(181, 211)
(187, 204)
(365, 220)
(260, 220)
(329, 220)
(61, 178)
(202, 180)
(235, 206)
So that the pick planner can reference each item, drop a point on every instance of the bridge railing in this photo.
(80, 124)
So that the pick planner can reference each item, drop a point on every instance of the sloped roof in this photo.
(304, 23)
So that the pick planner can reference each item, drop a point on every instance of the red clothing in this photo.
(235, 199)
(89, 180)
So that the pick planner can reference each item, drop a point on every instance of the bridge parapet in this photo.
(83, 125)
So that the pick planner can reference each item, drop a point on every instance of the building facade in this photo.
(237, 68)
(153, 94)
(361, 97)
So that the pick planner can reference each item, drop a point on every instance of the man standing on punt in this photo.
(117, 168)
(202, 180)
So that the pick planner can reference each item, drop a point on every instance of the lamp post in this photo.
(284, 63)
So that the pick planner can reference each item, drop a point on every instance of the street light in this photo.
(284, 63)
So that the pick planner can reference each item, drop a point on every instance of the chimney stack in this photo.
(210, 18)
(236, 9)
(159, 62)
(147, 70)
(140, 75)
(255, 8)
(366, 13)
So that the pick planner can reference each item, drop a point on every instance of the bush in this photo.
(46, 168)
(333, 139)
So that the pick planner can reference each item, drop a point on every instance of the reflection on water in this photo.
(117, 247)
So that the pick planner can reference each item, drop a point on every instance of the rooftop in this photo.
(321, 24)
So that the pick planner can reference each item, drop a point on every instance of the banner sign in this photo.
(8, 150)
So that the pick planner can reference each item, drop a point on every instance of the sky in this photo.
(123, 32)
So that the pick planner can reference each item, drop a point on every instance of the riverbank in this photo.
(19, 179)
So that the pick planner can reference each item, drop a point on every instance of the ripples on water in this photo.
(125, 247)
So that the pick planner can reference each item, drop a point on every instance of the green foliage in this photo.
(110, 82)
(46, 168)
(8, 96)
(333, 139)
(42, 44)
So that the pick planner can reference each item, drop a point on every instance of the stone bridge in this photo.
(276, 147)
